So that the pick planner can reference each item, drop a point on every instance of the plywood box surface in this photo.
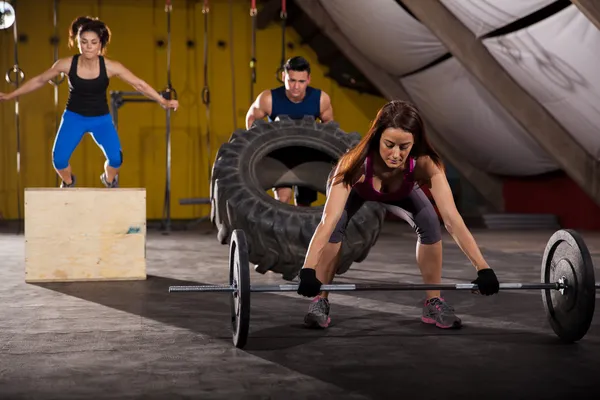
(85, 234)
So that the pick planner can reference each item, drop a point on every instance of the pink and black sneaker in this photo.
(439, 313)
(318, 313)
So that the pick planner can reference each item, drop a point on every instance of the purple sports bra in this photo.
(366, 190)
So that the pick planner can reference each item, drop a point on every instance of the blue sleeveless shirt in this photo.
(310, 105)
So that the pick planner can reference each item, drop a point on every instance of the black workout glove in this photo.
(309, 286)
(487, 282)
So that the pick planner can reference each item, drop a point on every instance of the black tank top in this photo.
(87, 97)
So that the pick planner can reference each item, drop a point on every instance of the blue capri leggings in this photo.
(72, 128)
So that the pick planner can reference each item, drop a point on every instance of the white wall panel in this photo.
(474, 122)
(484, 16)
(385, 33)
(557, 61)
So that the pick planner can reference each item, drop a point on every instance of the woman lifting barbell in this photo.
(87, 107)
(389, 165)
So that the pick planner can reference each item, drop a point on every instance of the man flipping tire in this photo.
(295, 99)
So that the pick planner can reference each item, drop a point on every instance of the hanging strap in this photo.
(253, 15)
(169, 88)
(55, 40)
(232, 64)
(205, 89)
(169, 95)
(18, 73)
(283, 16)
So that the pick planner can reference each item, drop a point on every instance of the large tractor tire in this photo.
(262, 157)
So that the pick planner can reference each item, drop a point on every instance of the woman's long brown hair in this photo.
(396, 114)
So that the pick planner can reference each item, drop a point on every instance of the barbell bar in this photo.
(567, 283)
(348, 287)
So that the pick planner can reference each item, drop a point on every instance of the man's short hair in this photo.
(297, 63)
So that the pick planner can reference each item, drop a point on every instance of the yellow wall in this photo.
(142, 125)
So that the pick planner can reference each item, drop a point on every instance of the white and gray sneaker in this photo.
(113, 184)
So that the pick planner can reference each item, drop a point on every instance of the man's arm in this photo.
(326, 108)
(260, 108)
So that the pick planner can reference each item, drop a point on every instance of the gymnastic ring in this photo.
(278, 74)
(205, 95)
(14, 70)
(57, 81)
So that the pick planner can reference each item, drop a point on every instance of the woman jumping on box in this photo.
(87, 107)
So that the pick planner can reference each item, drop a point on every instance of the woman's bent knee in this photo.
(336, 237)
(428, 240)
(115, 163)
(115, 160)
(425, 219)
(430, 232)
(60, 162)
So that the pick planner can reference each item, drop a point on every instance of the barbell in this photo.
(567, 283)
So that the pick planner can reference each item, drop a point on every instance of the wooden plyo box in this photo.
(85, 234)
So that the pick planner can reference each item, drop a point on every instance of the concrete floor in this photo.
(122, 340)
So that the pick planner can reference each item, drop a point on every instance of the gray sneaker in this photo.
(113, 184)
(318, 313)
(437, 311)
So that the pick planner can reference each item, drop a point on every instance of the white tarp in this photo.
(484, 16)
(474, 123)
(557, 62)
(385, 33)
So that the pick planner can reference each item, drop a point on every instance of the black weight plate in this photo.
(239, 277)
(570, 314)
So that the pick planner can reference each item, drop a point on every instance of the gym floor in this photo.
(122, 340)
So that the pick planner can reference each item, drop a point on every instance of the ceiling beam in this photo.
(535, 119)
(589, 8)
(391, 88)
